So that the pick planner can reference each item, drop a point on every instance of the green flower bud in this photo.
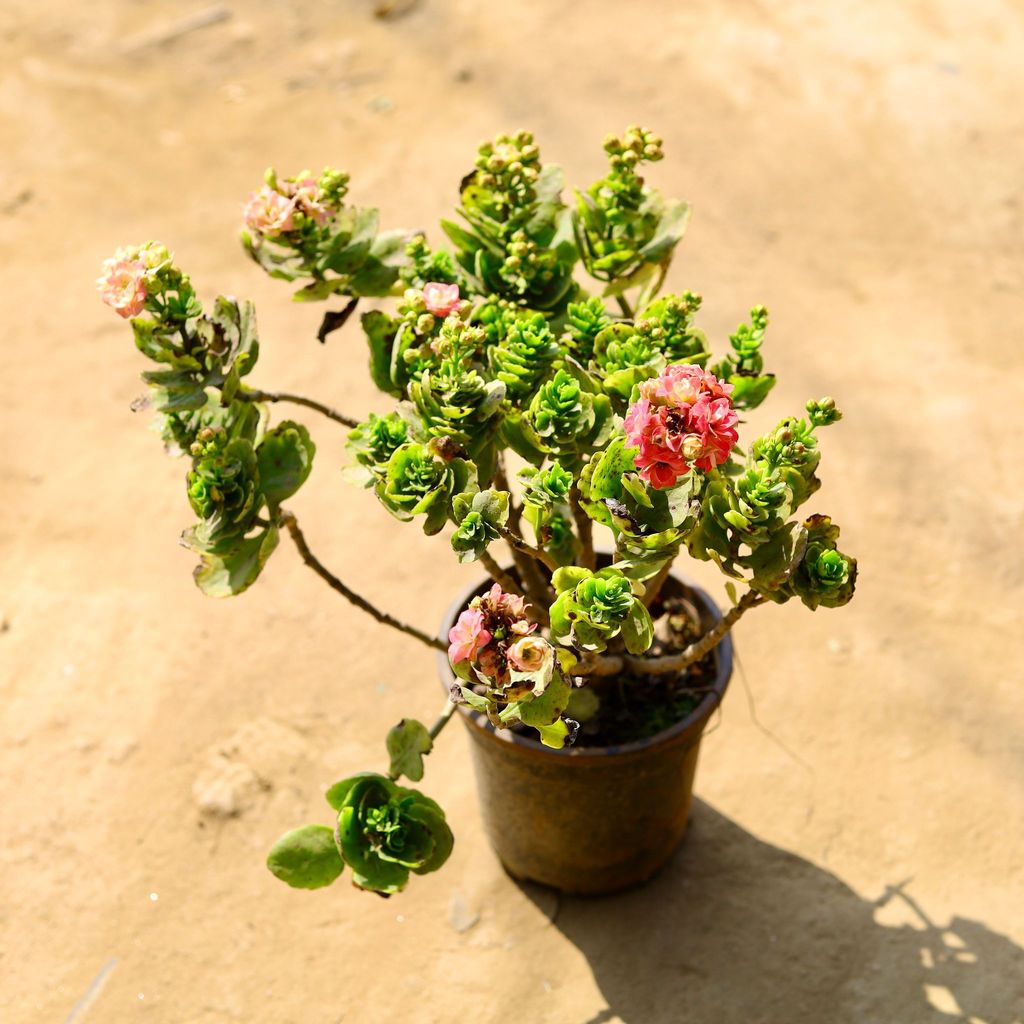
(823, 413)
(223, 484)
(566, 418)
(676, 337)
(427, 265)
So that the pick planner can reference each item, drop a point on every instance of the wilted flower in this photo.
(122, 283)
(468, 636)
(269, 212)
(440, 299)
(530, 654)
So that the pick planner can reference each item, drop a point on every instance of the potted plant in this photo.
(585, 678)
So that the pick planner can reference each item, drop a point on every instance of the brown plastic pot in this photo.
(589, 820)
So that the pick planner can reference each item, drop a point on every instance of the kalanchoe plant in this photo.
(493, 352)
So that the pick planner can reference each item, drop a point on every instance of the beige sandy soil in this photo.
(858, 168)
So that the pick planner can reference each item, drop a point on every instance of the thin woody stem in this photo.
(518, 544)
(290, 523)
(585, 529)
(442, 719)
(499, 575)
(607, 665)
(533, 582)
(255, 395)
(536, 611)
(655, 585)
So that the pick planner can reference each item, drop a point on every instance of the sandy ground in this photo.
(857, 167)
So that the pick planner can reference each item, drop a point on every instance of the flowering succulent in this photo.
(300, 227)
(491, 352)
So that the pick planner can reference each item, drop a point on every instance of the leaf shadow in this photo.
(737, 930)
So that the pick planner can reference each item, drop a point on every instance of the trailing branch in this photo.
(290, 523)
(256, 395)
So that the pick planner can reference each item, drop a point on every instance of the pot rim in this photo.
(723, 652)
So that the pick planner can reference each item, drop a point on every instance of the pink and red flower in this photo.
(684, 417)
(468, 636)
(440, 299)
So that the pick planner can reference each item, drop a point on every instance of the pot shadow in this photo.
(736, 930)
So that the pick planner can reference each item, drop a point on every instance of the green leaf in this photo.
(568, 577)
(669, 233)
(224, 575)
(285, 459)
(306, 857)
(638, 629)
(406, 744)
(557, 735)
(428, 813)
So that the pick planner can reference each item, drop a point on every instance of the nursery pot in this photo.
(589, 820)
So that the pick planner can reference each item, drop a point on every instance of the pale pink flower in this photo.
(306, 193)
(440, 299)
(530, 654)
(269, 212)
(122, 283)
(468, 636)
(683, 384)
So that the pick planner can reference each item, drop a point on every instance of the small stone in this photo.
(461, 916)
(226, 790)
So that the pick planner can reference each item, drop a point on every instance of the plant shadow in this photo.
(737, 930)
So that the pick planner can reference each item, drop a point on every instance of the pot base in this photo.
(584, 826)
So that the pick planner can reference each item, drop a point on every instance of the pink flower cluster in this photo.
(684, 417)
(440, 299)
(122, 280)
(271, 211)
(493, 635)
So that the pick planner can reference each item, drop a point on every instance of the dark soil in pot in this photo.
(608, 812)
